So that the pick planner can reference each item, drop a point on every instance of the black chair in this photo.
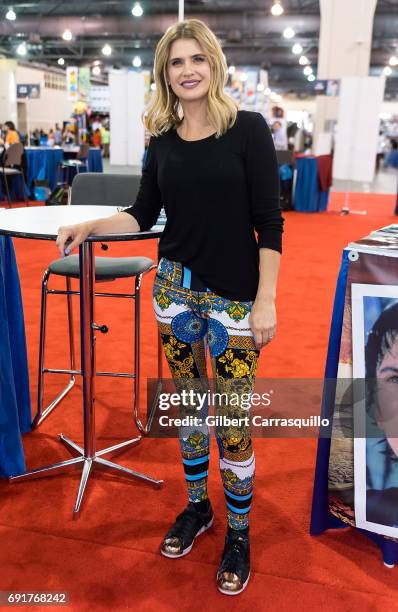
(12, 165)
(95, 189)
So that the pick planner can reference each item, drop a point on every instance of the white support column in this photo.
(118, 117)
(358, 128)
(181, 10)
(135, 109)
(345, 38)
(8, 90)
(345, 43)
(127, 134)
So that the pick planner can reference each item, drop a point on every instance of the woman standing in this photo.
(214, 169)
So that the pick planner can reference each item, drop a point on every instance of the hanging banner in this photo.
(84, 85)
(72, 75)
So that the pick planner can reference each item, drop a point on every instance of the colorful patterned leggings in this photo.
(190, 319)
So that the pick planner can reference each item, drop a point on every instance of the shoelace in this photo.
(185, 523)
(234, 552)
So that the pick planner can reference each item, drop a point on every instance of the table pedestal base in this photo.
(88, 464)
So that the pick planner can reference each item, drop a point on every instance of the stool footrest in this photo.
(115, 374)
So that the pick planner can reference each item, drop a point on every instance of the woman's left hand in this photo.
(262, 322)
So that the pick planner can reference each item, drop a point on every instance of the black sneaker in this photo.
(234, 571)
(189, 524)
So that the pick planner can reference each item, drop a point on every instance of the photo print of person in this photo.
(375, 362)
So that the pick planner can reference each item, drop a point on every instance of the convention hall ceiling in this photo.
(250, 36)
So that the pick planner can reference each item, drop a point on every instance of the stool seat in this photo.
(72, 163)
(10, 170)
(106, 268)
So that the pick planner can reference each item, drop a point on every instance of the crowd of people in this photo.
(97, 135)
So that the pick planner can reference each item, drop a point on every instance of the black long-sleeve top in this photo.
(215, 192)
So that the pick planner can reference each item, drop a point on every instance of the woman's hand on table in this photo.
(262, 322)
(70, 236)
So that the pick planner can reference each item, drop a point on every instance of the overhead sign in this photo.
(28, 91)
(84, 84)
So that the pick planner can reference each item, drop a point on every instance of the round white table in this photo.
(41, 223)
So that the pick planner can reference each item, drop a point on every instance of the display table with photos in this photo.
(41, 223)
(356, 476)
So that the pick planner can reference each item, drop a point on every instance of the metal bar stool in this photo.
(81, 161)
(107, 189)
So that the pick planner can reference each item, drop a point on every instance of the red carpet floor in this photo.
(109, 559)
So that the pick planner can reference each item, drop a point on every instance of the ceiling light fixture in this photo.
(61, 61)
(387, 71)
(231, 69)
(21, 49)
(297, 49)
(96, 62)
(310, 78)
(307, 70)
(10, 14)
(289, 33)
(137, 61)
(96, 70)
(393, 60)
(153, 86)
(277, 8)
(107, 50)
(137, 10)
(260, 86)
(67, 35)
(303, 61)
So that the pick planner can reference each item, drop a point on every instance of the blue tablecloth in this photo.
(308, 196)
(95, 161)
(41, 164)
(15, 406)
(321, 518)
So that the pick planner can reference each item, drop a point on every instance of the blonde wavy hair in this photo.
(163, 112)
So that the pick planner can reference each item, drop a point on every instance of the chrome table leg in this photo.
(88, 455)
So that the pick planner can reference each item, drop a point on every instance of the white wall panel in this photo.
(134, 125)
(358, 128)
(118, 117)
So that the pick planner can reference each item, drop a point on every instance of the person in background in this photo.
(57, 136)
(11, 134)
(105, 138)
(68, 137)
(97, 140)
(391, 159)
(279, 135)
(35, 138)
(96, 124)
(51, 138)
